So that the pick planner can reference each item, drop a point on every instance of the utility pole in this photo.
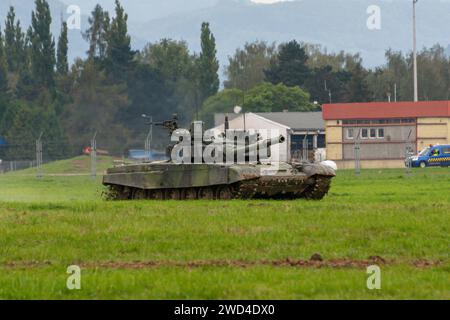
(39, 173)
(94, 156)
(148, 141)
(329, 91)
(243, 105)
(395, 91)
(416, 94)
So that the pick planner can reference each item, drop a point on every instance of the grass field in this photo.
(226, 250)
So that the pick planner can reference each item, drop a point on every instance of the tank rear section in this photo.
(168, 181)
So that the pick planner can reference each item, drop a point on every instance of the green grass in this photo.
(75, 166)
(49, 224)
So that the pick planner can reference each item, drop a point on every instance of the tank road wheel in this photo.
(225, 193)
(117, 193)
(206, 194)
(190, 194)
(173, 194)
(120, 193)
(139, 194)
(157, 194)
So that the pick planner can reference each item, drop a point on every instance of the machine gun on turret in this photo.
(170, 125)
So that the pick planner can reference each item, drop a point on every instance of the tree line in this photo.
(260, 71)
(109, 89)
(106, 92)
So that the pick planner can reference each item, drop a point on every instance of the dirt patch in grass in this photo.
(314, 262)
(290, 263)
(27, 264)
(426, 263)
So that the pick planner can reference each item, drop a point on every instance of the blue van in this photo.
(433, 156)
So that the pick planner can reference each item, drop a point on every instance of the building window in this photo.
(373, 133)
(350, 133)
(380, 121)
(380, 133)
(364, 133)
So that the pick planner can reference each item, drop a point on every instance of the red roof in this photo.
(383, 110)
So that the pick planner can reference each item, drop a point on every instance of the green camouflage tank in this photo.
(223, 180)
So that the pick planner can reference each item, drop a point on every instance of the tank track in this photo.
(319, 189)
(316, 188)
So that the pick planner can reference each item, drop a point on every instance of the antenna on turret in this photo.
(227, 124)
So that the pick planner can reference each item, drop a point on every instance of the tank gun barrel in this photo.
(263, 144)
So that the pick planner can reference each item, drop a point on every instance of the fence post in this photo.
(39, 173)
(305, 154)
(408, 162)
(358, 154)
(409, 152)
(148, 141)
(94, 156)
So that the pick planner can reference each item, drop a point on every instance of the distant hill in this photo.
(145, 10)
(335, 24)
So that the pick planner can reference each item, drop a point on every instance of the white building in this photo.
(304, 131)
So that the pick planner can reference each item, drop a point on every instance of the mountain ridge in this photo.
(338, 25)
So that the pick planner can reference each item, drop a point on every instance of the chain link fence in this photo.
(43, 157)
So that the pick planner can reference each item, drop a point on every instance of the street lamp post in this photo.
(416, 94)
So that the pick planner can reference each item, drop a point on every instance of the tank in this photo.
(248, 177)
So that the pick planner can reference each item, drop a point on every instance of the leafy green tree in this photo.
(14, 42)
(172, 60)
(119, 56)
(26, 87)
(21, 46)
(27, 121)
(9, 111)
(3, 67)
(150, 94)
(223, 102)
(10, 40)
(170, 57)
(62, 64)
(42, 45)
(358, 88)
(97, 33)
(325, 85)
(290, 67)
(265, 97)
(4, 90)
(208, 66)
(319, 58)
(434, 74)
(246, 68)
(95, 106)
